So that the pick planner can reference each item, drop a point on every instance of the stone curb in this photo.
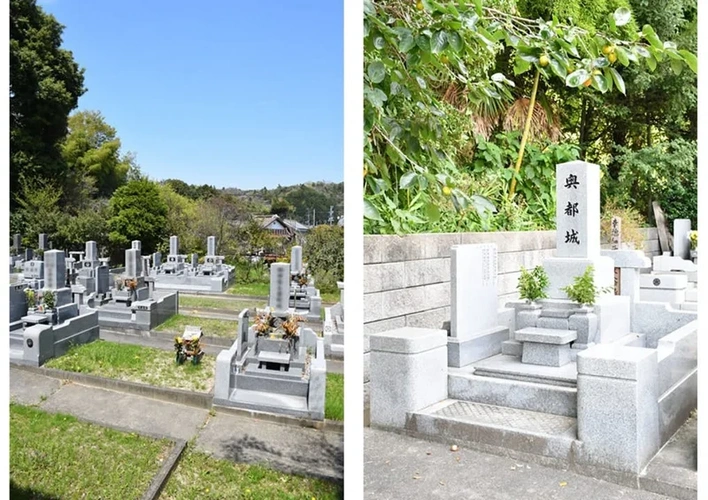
(153, 334)
(321, 425)
(177, 396)
(163, 475)
(201, 400)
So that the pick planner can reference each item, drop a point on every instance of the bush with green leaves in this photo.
(532, 284)
(324, 253)
(48, 299)
(583, 290)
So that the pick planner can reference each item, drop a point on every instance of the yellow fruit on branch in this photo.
(588, 82)
(544, 60)
(596, 72)
(419, 6)
(447, 191)
(612, 58)
(444, 59)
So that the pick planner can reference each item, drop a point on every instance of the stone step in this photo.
(16, 354)
(260, 383)
(552, 312)
(532, 396)
(552, 323)
(524, 431)
(511, 347)
(267, 402)
(462, 352)
(509, 367)
(545, 335)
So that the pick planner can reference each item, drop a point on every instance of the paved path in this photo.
(398, 466)
(240, 439)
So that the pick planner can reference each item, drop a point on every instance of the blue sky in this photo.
(229, 93)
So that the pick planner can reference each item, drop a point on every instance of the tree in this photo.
(180, 220)
(92, 151)
(427, 72)
(281, 207)
(137, 213)
(37, 211)
(324, 250)
(45, 85)
(305, 199)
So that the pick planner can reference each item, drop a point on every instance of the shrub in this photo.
(532, 284)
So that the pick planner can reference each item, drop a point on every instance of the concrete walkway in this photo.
(397, 466)
(237, 438)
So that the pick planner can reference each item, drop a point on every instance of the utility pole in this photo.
(330, 219)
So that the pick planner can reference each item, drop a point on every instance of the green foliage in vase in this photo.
(532, 284)
(583, 290)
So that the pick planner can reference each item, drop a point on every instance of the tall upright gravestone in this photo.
(279, 299)
(577, 229)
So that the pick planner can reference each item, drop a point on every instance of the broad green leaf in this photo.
(622, 56)
(421, 82)
(690, 59)
(673, 54)
(651, 37)
(483, 203)
(608, 79)
(471, 21)
(670, 45)
(599, 83)
(406, 41)
(651, 62)
(379, 42)
(601, 62)
(423, 42)
(622, 16)
(642, 51)
(521, 66)
(407, 180)
(577, 78)
(438, 42)
(376, 97)
(558, 68)
(371, 212)
(619, 81)
(676, 66)
(455, 41)
(613, 24)
(376, 72)
(486, 37)
(369, 8)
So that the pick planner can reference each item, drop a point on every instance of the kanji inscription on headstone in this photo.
(577, 210)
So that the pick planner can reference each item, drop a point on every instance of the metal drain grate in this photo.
(531, 421)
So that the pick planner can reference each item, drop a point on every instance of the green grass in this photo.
(200, 476)
(211, 327)
(258, 289)
(330, 297)
(233, 305)
(135, 363)
(334, 399)
(56, 456)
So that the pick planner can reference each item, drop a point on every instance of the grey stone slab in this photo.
(438, 318)
(461, 352)
(545, 354)
(536, 397)
(616, 361)
(511, 348)
(408, 340)
(426, 272)
(126, 410)
(398, 467)
(282, 447)
(510, 367)
(545, 335)
(30, 388)
(552, 323)
(384, 276)
(473, 286)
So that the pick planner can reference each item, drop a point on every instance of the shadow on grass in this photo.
(21, 493)
(321, 462)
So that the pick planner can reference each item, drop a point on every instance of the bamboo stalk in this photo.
(524, 138)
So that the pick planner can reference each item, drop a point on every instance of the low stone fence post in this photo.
(618, 410)
(408, 372)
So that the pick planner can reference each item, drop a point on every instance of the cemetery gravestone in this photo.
(279, 287)
(296, 260)
(682, 245)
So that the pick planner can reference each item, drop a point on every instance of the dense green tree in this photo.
(191, 191)
(305, 199)
(89, 224)
(324, 251)
(45, 85)
(137, 212)
(281, 207)
(92, 153)
(38, 210)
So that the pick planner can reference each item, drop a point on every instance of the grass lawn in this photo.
(233, 305)
(334, 399)
(56, 456)
(200, 476)
(211, 327)
(135, 363)
(261, 289)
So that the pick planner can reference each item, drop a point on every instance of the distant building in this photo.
(276, 225)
